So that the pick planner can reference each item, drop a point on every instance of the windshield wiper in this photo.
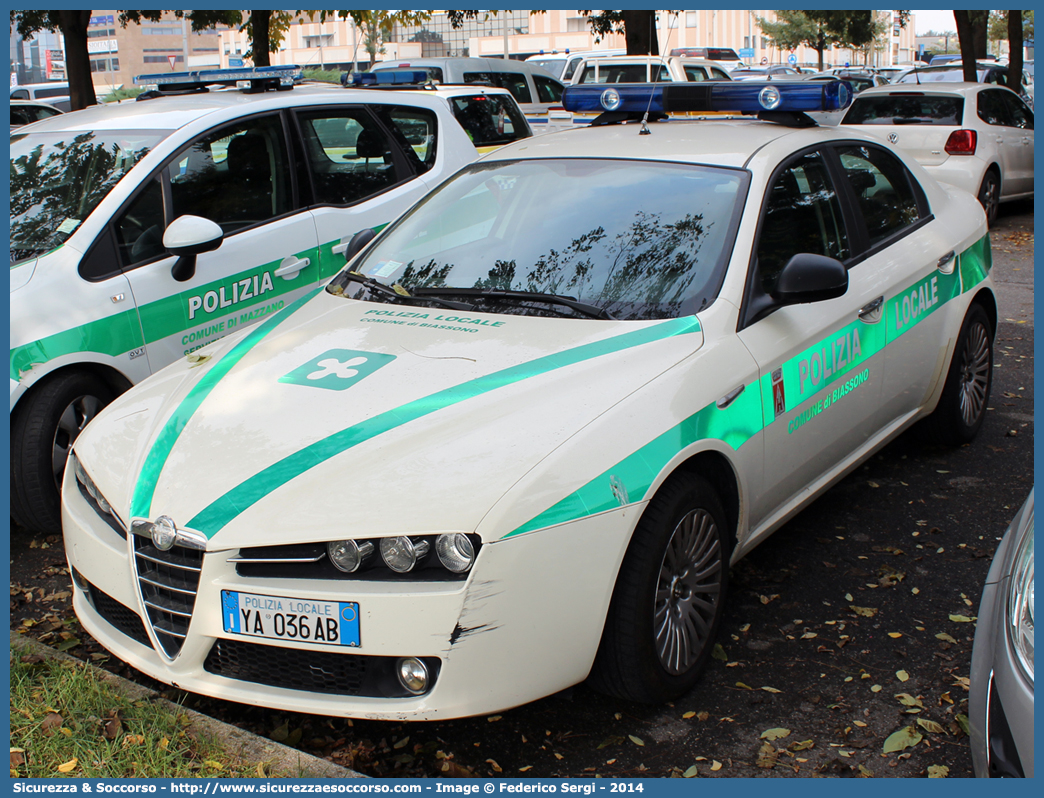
(397, 293)
(519, 296)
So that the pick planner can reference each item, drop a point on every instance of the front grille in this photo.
(122, 618)
(311, 671)
(168, 581)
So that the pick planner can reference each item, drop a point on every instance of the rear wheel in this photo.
(669, 595)
(43, 427)
(962, 406)
(989, 195)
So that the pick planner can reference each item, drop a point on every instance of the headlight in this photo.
(88, 485)
(455, 552)
(1020, 604)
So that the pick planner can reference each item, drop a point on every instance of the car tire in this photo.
(962, 407)
(667, 603)
(989, 195)
(43, 427)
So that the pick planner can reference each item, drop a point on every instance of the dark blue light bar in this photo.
(284, 74)
(391, 77)
(741, 97)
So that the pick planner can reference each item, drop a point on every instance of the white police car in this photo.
(104, 290)
(520, 439)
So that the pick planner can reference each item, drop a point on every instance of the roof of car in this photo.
(176, 111)
(714, 142)
(502, 65)
(935, 87)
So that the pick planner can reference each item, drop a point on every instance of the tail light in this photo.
(961, 142)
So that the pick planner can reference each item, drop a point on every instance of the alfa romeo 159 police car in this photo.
(112, 277)
(519, 440)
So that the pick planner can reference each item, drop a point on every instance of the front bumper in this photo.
(525, 624)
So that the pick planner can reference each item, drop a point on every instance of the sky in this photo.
(940, 21)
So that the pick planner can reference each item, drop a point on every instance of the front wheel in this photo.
(962, 406)
(43, 427)
(669, 595)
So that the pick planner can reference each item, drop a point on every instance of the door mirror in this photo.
(355, 245)
(188, 236)
(810, 278)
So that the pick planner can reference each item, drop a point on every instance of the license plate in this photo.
(333, 623)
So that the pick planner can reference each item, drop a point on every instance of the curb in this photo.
(237, 742)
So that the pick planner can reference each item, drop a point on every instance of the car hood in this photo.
(345, 417)
(22, 273)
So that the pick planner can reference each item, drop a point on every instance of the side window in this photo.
(515, 83)
(20, 94)
(416, 131)
(717, 74)
(695, 74)
(1018, 112)
(139, 228)
(479, 77)
(20, 116)
(991, 108)
(236, 176)
(883, 189)
(350, 156)
(802, 214)
(548, 91)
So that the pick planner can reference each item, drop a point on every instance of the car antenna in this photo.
(663, 54)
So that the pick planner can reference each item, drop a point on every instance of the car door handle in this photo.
(871, 311)
(947, 262)
(730, 397)
(291, 266)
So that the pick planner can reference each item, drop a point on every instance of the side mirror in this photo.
(355, 245)
(186, 237)
(810, 278)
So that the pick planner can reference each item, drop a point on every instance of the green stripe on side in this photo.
(141, 502)
(975, 263)
(112, 336)
(212, 518)
(735, 425)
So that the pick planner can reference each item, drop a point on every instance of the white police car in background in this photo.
(101, 296)
(519, 440)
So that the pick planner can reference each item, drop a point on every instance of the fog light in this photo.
(347, 555)
(401, 554)
(455, 552)
(413, 675)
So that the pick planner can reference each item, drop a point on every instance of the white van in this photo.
(52, 93)
(563, 65)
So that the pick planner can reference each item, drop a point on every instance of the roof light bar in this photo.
(391, 77)
(742, 97)
(280, 75)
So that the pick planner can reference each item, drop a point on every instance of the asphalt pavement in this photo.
(852, 623)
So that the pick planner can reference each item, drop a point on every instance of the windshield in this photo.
(552, 65)
(490, 119)
(637, 239)
(57, 179)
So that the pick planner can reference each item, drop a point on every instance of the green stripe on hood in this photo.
(223, 510)
(141, 502)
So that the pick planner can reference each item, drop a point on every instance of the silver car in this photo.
(1001, 699)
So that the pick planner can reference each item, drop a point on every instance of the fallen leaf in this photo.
(213, 765)
(743, 686)
(635, 740)
(401, 743)
(902, 675)
(895, 634)
(702, 715)
(908, 700)
(961, 619)
(494, 718)
(866, 612)
(906, 737)
(775, 734)
(525, 768)
(496, 768)
(17, 757)
(51, 723)
(804, 745)
(938, 771)
(945, 637)
(767, 756)
(689, 714)
(771, 690)
(68, 767)
(876, 688)
(719, 653)
(930, 726)
(716, 765)
(691, 772)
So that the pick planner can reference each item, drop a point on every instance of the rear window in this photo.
(722, 54)
(905, 109)
(624, 73)
(57, 91)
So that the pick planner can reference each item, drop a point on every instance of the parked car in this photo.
(1000, 699)
(725, 56)
(954, 73)
(857, 81)
(765, 72)
(977, 136)
(533, 88)
(563, 65)
(50, 92)
(25, 112)
(647, 69)
(142, 231)
(518, 441)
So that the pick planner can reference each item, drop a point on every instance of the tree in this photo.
(820, 29)
(972, 32)
(1016, 23)
(72, 25)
